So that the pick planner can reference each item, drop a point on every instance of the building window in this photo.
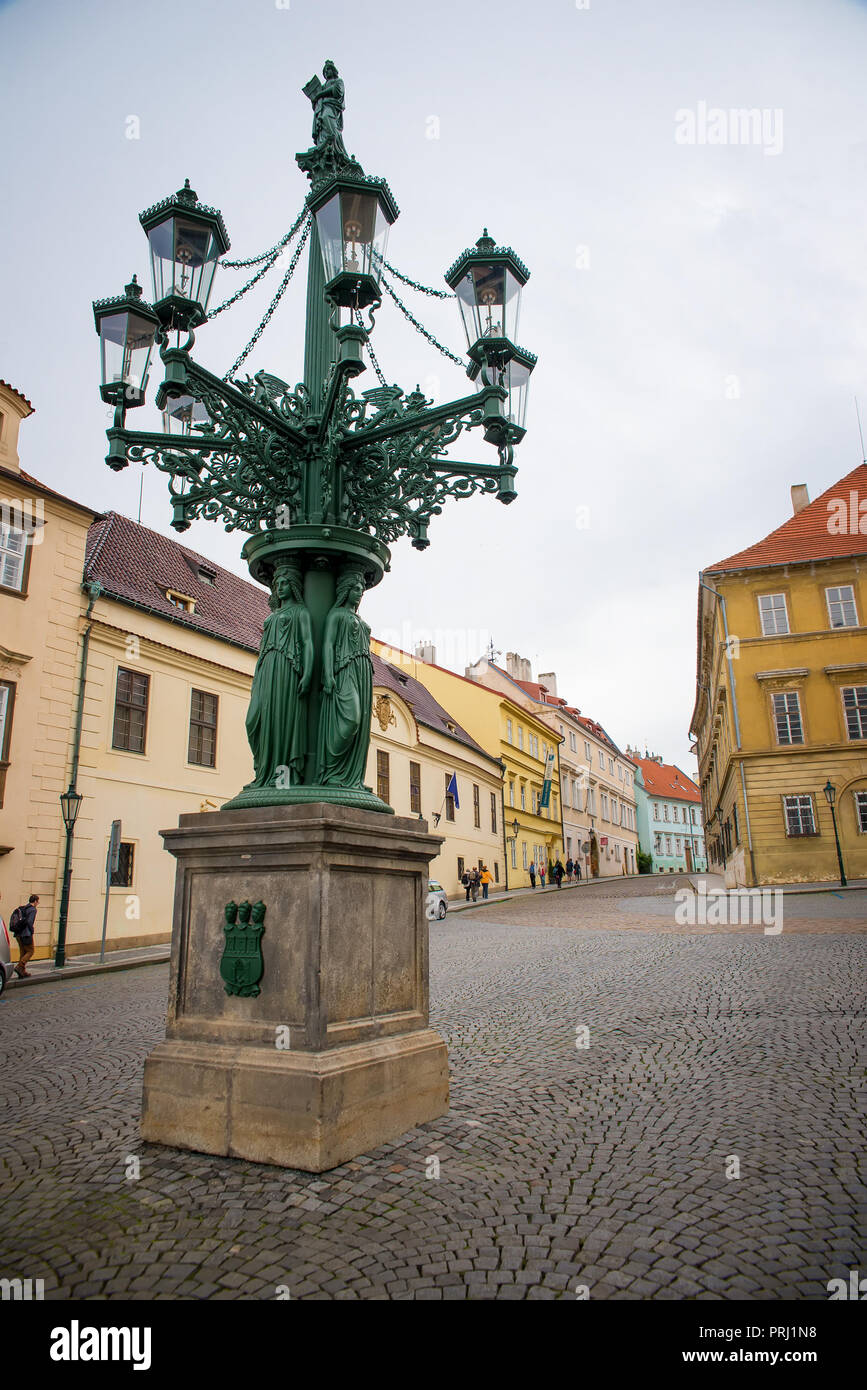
(611, 767)
(735, 824)
(656, 810)
(382, 775)
(524, 852)
(450, 801)
(841, 606)
(511, 793)
(415, 789)
(477, 810)
(13, 553)
(787, 717)
(122, 875)
(665, 812)
(855, 708)
(523, 797)
(130, 711)
(520, 737)
(657, 844)
(588, 751)
(573, 742)
(496, 871)
(509, 730)
(800, 819)
(494, 813)
(202, 748)
(773, 614)
(601, 759)
(668, 844)
(604, 806)
(861, 811)
(617, 851)
(513, 852)
(460, 868)
(677, 844)
(7, 704)
(182, 601)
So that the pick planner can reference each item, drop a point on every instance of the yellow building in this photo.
(781, 703)
(42, 544)
(520, 741)
(416, 747)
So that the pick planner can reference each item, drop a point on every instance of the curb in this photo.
(75, 972)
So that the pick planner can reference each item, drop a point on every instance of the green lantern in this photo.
(487, 280)
(186, 241)
(511, 369)
(127, 327)
(353, 217)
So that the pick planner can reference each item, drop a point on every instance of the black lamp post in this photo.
(70, 805)
(831, 797)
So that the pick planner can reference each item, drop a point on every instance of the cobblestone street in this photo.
(558, 1165)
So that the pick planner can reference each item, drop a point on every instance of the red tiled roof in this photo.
(805, 536)
(666, 779)
(426, 709)
(137, 565)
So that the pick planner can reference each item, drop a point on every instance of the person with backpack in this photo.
(569, 867)
(487, 880)
(21, 925)
(532, 874)
(475, 880)
(466, 882)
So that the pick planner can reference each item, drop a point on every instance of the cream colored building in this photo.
(42, 545)
(597, 780)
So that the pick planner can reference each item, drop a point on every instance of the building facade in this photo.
(42, 546)
(670, 826)
(519, 741)
(781, 695)
(597, 785)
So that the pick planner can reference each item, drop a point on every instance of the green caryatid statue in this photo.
(277, 717)
(347, 689)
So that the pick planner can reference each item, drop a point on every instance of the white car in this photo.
(6, 966)
(437, 900)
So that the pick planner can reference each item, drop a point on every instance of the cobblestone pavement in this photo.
(559, 1165)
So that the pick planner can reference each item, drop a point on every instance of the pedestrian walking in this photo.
(559, 871)
(467, 882)
(22, 925)
(474, 885)
(532, 875)
(487, 879)
(577, 871)
(542, 875)
(569, 867)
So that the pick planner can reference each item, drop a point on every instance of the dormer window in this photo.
(181, 601)
(206, 575)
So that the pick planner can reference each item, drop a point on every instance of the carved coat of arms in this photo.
(242, 965)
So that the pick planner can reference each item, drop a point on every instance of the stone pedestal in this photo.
(334, 1055)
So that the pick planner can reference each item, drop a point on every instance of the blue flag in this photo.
(452, 790)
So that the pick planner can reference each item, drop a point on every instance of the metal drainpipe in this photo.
(503, 821)
(722, 603)
(94, 590)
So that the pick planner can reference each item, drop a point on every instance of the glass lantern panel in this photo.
(517, 382)
(358, 214)
(330, 239)
(489, 297)
(126, 341)
(182, 413)
(183, 259)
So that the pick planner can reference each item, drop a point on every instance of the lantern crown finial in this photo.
(133, 290)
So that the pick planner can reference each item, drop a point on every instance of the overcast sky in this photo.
(698, 308)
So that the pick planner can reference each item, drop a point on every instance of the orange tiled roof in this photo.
(20, 394)
(666, 779)
(806, 536)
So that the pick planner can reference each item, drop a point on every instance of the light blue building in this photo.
(670, 827)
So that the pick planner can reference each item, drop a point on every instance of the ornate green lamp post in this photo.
(322, 480)
(324, 936)
(831, 797)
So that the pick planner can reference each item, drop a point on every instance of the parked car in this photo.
(6, 966)
(437, 900)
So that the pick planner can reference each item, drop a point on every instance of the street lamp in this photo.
(70, 805)
(127, 327)
(831, 798)
(186, 240)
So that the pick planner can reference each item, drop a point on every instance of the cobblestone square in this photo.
(558, 1166)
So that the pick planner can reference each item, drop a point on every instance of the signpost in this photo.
(112, 861)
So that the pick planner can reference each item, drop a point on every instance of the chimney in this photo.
(426, 651)
(518, 667)
(800, 497)
(550, 680)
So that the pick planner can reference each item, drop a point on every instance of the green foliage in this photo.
(645, 862)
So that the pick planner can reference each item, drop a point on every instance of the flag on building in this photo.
(452, 790)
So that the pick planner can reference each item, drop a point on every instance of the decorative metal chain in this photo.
(274, 251)
(296, 256)
(446, 352)
(233, 299)
(371, 354)
(414, 284)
